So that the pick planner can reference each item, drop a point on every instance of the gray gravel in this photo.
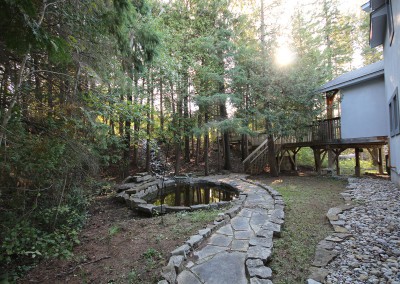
(372, 253)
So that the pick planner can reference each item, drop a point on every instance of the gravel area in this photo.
(372, 253)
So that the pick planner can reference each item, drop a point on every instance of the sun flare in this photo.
(284, 56)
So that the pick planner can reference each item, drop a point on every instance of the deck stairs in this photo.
(256, 162)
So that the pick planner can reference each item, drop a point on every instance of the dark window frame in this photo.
(394, 113)
(390, 21)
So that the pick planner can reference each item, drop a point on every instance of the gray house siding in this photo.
(392, 81)
(364, 110)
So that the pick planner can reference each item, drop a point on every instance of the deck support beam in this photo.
(292, 157)
(337, 153)
(380, 161)
(376, 154)
(319, 156)
(357, 168)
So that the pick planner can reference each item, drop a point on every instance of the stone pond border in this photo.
(134, 189)
(325, 251)
(254, 267)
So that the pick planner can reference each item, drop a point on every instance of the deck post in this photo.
(337, 153)
(380, 161)
(317, 159)
(357, 167)
(292, 159)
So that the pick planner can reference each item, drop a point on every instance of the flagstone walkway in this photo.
(236, 249)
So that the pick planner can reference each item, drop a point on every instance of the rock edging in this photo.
(179, 255)
(326, 251)
(133, 190)
(260, 246)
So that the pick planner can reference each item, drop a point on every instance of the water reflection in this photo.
(187, 195)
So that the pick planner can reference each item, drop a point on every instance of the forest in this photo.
(92, 89)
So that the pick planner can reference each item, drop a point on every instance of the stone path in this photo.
(367, 250)
(238, 251)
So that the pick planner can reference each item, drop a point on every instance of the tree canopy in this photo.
(95, 87)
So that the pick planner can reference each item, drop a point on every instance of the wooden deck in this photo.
(324, 138)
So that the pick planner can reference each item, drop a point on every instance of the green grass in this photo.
(195, 219)
(307, 201)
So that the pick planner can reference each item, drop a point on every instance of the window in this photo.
(390, 20)
(394, 114)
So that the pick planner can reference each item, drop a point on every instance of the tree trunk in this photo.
(206, 147)
(245, 148)
(161, 106)
(17, 91)
(271, 156)
(136, 124)
(186, 119)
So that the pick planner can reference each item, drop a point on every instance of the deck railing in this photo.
(322, 131)
(327, 130)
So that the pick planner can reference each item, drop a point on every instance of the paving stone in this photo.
(323, 257)
(187, 277)
(172, 209)
(177, 262)
(222, 204)
(240, 223)
(125, 186)
(213, 206)
(333, 239)
(243, 235)
(259, 252)
(169, 273)
(226, 230)
(276, 228)
(260, 241)
(212, 227)
(256, 268)
(122, 197)
(278, 214)
(146, 208)
(324, 244)
(240, 245)
(257, 220)
(263, 233)
(222, 268)
(340, 229)
(256, 280)
(245, 213)
(182, 250)
(200, 207)
(233, 211)
(209, 250)
(189, 264)
(194, 241)
(220, 240)
(205, 232)
(312, 281)
(318, 274)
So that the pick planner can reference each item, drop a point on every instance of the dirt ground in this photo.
(119, 246)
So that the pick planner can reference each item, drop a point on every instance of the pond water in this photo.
(187, 195)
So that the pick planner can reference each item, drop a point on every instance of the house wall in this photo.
(364, 110)
(392, 80)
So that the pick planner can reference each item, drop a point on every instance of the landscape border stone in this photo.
(260, 248)
(325, 251)
(134, 190)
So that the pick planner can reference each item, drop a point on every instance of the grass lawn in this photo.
(307, 199)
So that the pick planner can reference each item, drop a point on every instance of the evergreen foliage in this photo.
(84, 85)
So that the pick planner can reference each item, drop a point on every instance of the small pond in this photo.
(187, 195)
